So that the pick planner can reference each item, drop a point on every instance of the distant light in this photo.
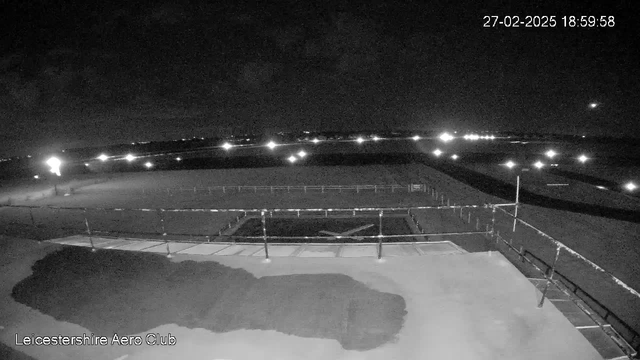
(302, 154)
(292, 159)
(550, 154)
(315, 141)
(583, 158)
(36, 176)
(129, 157)
(271, 145)
(375, 138)
(86, 164)
(416, 137)
(454, 157)
(601, 187)
(583, 136)
(510, 164)
(630, 186)
(103, 157)
(446, 137)
(359, 140)
(29, 156)
(593, 105)
(492, 137)
(437, 152)
(538, 164)
(54, 163)
(227, 146)
(178, 158)
(148, 165)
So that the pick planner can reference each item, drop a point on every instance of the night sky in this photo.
(92, 72)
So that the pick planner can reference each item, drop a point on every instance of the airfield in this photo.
(470, 302)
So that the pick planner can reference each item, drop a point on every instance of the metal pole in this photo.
(264, 235)
(380, 237)
(164, 232)
(493, 220)
(517, 202)
(553, 270)
(86, 222)
(33, 222)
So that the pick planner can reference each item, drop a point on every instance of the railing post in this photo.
(33, 222)
(469, 217)
(493, 219)
(380, 236)
(224, 190)
(86, 222)
(264, 235)
(553, 270)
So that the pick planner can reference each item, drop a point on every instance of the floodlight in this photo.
(54, 163)
(538, 164)
(593, 105)
(359, 140)
(36, 176)
(375, 138)
(271, 145)
(510, 164)
(148, 165)
(103, 157)
(630, 186)
(550, 154)
(227, 146)
(292, 159)
(416, 137)
(302, 154)
(178, 158)
(437, 152)
(454, 157)
(315, 141)
(446, 137)
(86, 164)
(583, 158)
(129, 157)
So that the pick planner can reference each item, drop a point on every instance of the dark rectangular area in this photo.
(291, 227)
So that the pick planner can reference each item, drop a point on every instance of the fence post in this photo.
(493, 219)
(288, 188)
(194, 189)
(380, 236)
(469, 217)
(224, 190)
(271, 189)
(323, 189)
(553, 270)
(209, 188)
(305, 189)
(264, 235)
(164, 231)
(86, 222)
(375, 188)
(522, 252)
(477, 223)
(357, 189)
(441, 199)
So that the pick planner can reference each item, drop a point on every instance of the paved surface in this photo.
(471, 306)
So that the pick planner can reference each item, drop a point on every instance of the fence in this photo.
(275, 189)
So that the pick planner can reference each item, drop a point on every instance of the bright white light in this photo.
(129, 157)
(630, 186)
(492, 137)
(583, 158)
(271, 145)
(178, 158)
(454, 157)
(315, 141)
(375, 138)
(302, 154)
(359, 140)
(86, 164)
(416, 138)
(510, 164)
(103, 157)
(538, 164)
(550, 154)
(54, 163)
(593, 105)
(601, 187)
(36, 176)
(437, 152)
(148, 165)
(292, 159)
(446, 137)
(228, 146)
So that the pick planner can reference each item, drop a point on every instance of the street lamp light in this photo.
(129, 157)
(416, 137)
(292, 159)
(437, 152)
(630, 186)
(454, 157)
(359, 140)
(583, 158)
(538, 164)
(315, 141)
(302, 154)
(446, 137)
(271, 145)
(148, 165)
(54, 163)
(376, 138)
(227, 146)
(103, 157)
(510, 164)
(550, 154)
